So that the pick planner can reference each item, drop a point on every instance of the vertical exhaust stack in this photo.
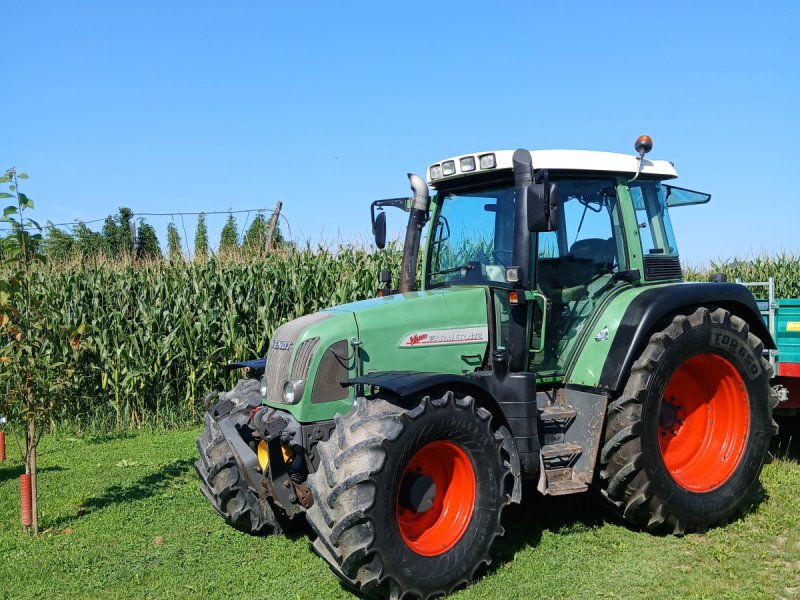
(416, 221)
(521, 257)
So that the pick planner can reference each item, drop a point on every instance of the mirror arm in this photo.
(401, 203)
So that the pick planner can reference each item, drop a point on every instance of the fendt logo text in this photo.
(281, 344)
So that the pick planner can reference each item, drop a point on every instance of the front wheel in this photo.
(408, 499)
(222, 484)
(686, 440)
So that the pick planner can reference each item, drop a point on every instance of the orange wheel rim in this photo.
(435, 498)
(703, 422)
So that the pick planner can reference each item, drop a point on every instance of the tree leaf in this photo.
(6, 195)
(9, 210)
(24, 201)
(22, 175)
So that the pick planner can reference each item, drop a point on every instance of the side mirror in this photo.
(379, 229)
(544, 207)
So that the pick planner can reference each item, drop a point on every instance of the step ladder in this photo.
(557, 456)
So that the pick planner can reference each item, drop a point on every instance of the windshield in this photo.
(473, 237)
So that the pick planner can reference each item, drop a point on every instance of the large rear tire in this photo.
(221, 482)
(687, 439)
(408, 500)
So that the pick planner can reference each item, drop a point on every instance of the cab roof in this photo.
(558, 160)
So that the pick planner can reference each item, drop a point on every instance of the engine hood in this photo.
(443, 330)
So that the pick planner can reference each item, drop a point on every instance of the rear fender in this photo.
(647, 311)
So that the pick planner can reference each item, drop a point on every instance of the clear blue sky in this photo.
(185, 106)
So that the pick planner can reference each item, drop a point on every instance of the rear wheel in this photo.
(408, 499)
(686, 440)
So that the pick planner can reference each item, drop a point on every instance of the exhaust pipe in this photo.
(416, 221)
(521, 257)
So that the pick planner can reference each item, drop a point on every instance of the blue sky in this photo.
(188, 106)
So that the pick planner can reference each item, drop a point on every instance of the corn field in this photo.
(158, 333)
(784, 267)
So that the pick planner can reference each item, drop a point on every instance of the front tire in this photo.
(687, 439)
(222, 484)
(408, 500)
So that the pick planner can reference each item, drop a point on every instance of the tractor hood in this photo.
(442, 331)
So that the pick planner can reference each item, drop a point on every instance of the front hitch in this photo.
(279, 473)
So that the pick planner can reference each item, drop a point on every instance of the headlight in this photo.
(293, 391)
(263, 387)
(488, 161)
(448, 168)
(436, 172)
(467, 164)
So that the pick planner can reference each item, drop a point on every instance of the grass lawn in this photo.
(123, 517)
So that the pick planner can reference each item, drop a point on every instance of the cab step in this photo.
(560, 455)
(561, 482)
(558, 412)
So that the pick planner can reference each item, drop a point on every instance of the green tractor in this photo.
(552, 339)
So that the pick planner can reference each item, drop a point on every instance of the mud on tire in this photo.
(686, 441)
(359, 495)
(221, 483)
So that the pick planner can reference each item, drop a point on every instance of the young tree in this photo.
(36, 358)
(147, 245)
(88, 243)
(110, 235)
(118, 240)
(174, 243)
(58, 245)
(229, 238)
(255, 238)
(201, 239)
(126, 241)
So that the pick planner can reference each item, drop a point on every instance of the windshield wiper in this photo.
(468, 267)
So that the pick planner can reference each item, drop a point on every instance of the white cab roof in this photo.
(565, 160)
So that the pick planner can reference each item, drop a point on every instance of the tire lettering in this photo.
(752, 366)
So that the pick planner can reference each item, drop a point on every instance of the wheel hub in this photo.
(668, 417)
(417, 493)
(435, 498)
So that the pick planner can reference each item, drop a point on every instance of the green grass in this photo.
(123, 517)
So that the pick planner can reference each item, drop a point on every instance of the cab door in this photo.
(574, 270)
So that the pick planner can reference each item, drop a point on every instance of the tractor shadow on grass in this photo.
(14, 472)
(525, 523)
(786, 445)
(146, 487)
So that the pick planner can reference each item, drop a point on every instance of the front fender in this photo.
(511, 400)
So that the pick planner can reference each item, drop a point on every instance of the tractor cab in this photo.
(610, 230)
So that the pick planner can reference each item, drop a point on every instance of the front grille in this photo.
(302, 359)
(333, 369)
(662, 267)
(280, 352)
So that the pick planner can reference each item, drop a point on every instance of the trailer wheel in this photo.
(221, 483)
(408, 499)
(686, 441)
